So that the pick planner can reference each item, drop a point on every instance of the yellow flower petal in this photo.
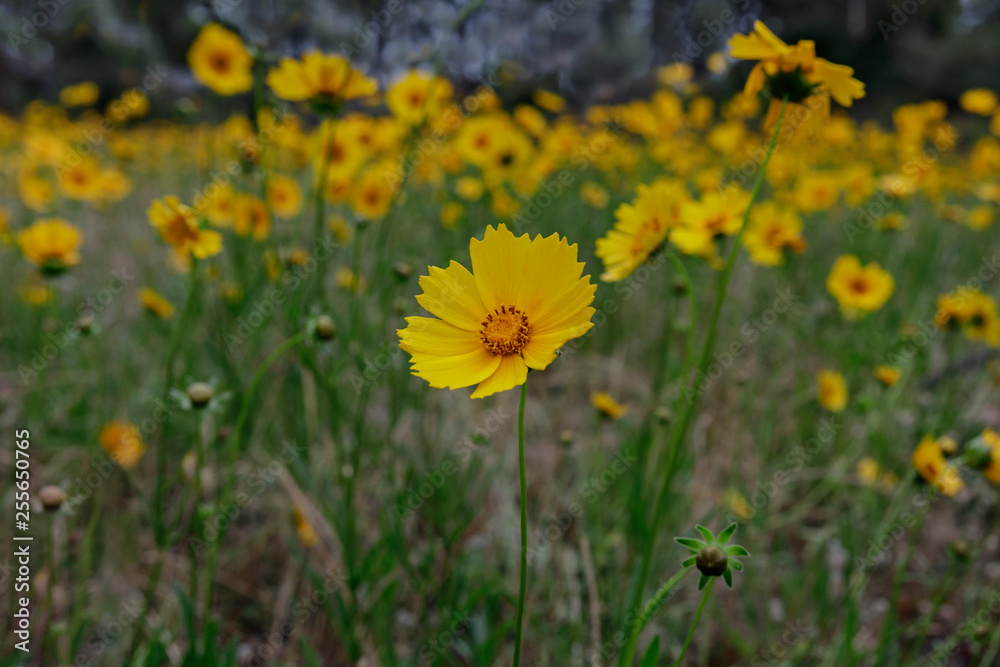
(511, 372)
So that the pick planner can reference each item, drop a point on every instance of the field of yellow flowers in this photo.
(751, 339)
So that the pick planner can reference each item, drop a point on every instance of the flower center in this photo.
(505, 331)
(859, 285)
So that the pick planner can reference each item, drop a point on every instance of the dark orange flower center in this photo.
(505, 331)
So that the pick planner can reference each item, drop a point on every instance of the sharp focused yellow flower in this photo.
(155, 303)
(52, 245)
(219, 59)
(641, 228)
(328, 78)
(980, 101)
(178, 226)
(929, 461)
(859, 289)
(123, 443)
(887, 375)
(607, 406)
(831, 390)
(83, 94)
(524, 299)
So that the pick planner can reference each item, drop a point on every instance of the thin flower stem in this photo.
(694, 623)
(233, 446)
(679, 432)
(654, 604)
(524, 527)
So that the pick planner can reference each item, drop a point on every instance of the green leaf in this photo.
(727, 533)
(736, 565)
(688, 562)
(703, 581)
(706, 533)
(728, 576)
(736, 550)
(652, 654)
(690, 543)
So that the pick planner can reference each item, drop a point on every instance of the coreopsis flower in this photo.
(374, 191)
(859, 289)
(772, 230)
(701, 222)
(82, 94)
(36, 191)
(113, 185)
(929, 461)
(971, 310)
(640, 228)
(795, 73)
(123, 443)
(220, 60)
(251, 217)
(179, 227)
(552, 102)
(524, 299)
(531, 120)
(469, 188)
(871, 474)
(981, 101)
(82, 181)
(155, 304)
(52, 245)
(417, 95)
(322, 78)
(887, 375)
(284, 196)
(831, 390)
(593, 195)
(607, 406)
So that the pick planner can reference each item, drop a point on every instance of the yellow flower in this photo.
(593, 195)
(980, 217)
(341, 230)
(178, 226)
(123, 443)
(326, 78)
(871, 474)
(113, 185)
(250, 216)
(417, 95)
(702, 221)
(607, 406)
(980, 101)
(859, 289)
(374, 191)
(82, 181)
(284, 196)
(831, 390)
(778, 63)
(83, 94)
(770, 231)
(523, 301)
(675, 75)
(156, 304)
(451, 213)
(738, 504)
(549, 101)
(992, 439)
(219, 59)
(346, 279)
(52, 245)
(641, 228)
(37, 294)
(304, 529)
(36, 192)
(972, 310)
(929, 462)
(887, 375)
(469, 188)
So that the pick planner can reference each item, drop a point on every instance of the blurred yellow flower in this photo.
(451, 213)
(859, 289)
(52, 245)
(872, 475)
(640, 228)
(82, 94)
(593, 195)
(417, 95)
(773, 229)
(887, 375)
(929, 462)
(831, 390)
(980, 101)
(524, 300)
(251, 217)
(156, 304)
(284, 196)
(992, 439)
(469, 188)
(607, 406)
(304, 529)
(123, 443)
(219, 59)
(326, 78)
(178, 226)
(548, 100)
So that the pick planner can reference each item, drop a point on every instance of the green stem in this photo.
(654, 604)
(890, 621)
(694, 624)
(679, 432)
(524, 527)
(233, 447)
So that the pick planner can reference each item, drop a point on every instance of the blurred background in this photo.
(602, 51)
